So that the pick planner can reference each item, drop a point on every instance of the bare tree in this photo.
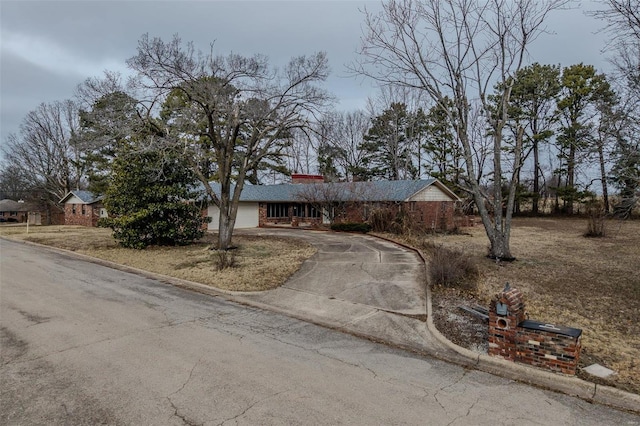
(334, 199)
(15, 183)
(459, 49)
(623, 27)
(45, 150)
(623, 19)
(340, 151)
(229, 113)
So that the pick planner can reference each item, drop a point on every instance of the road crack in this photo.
(443, 388)
(246, 410)
(176, 411)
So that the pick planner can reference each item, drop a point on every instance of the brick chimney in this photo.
(297, 178)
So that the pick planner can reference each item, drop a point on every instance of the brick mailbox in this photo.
(515, 338)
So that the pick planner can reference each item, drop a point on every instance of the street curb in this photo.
(573, 386)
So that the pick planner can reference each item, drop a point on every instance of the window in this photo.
(277, 210)
(13, 214)
(84, 210)
(73, 208)
(314, 212)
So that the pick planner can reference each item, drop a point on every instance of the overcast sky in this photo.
(49, 47)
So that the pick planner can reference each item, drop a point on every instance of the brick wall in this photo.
(89, 218)
(433, 215)
(549, 350)
(513, 338)
(430, 214)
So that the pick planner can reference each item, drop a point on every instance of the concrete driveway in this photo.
(355, 283)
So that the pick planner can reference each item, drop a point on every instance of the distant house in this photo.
(13, 211)
(21, 212)
(307, 200)
(82, 208)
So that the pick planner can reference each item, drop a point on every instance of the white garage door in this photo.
(247, 216)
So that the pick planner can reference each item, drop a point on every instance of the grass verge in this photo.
(261, 263)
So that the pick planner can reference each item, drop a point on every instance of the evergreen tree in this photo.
(388, 145)
(111, 122)
(444, 156)
(151, 200)
(533, 107)
(582, 88)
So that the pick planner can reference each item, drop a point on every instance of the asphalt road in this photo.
(85, 344)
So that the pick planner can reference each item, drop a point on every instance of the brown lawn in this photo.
(262, 262)
(567, 279)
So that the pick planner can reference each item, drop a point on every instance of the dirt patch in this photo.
(262, 262)
(459, 326)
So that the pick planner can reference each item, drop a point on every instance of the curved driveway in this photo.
(361, 270)
(357, 283)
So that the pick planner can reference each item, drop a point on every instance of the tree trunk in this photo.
(571, 171)
(500, 249)
(536, 178)
(498, 238)
(225, 231)
(603, 177)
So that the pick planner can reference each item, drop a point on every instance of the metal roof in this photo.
(395, 191)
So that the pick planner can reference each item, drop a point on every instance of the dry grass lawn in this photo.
(567, 279)
(263, 263)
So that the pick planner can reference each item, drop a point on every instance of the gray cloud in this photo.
(49, 47)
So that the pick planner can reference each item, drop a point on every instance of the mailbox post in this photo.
(505, 313)
(543, 345)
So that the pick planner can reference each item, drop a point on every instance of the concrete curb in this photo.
(573, 386)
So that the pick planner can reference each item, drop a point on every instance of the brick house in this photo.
(34, 213)
(307, 201)
(82, 208)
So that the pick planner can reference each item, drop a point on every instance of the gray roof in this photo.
(395, 191)
(86, 197)
(8, 205)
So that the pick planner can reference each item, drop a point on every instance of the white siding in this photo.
(431, 193)
(74, 200)
(247, 216)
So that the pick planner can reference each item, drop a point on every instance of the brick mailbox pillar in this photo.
(514, 338)
(505, 313)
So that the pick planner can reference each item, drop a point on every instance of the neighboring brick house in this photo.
(20, 212)
(308, 200)
(13, 211)
(82, 208)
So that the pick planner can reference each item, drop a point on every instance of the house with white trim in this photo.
(308, 200)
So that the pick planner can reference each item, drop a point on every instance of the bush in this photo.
(450, 267)
(382, 220)
(224, 259)
(351, 227)
(596, 216)
(104, 222)
(394, 220)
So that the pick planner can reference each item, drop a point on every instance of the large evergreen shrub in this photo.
(151, 201)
